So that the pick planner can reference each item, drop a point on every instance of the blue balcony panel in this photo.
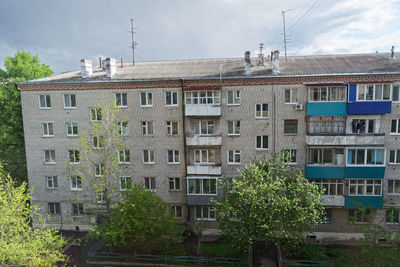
(366, 201)
(369, 107)
(365, 172)
(322, 172)
(326, 108)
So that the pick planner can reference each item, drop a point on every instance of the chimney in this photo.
(275, 62)
(86, 68)
(111, 67)
(392, 51)
(260, 61)
(247, 63)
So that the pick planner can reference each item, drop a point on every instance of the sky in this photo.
(63, 32)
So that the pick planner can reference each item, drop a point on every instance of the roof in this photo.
(235, 67)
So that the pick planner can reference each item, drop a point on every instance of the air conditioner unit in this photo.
(299, 107)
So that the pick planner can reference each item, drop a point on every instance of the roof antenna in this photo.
(392, 50)
(284, 31)
(134, 44)
(261, 56)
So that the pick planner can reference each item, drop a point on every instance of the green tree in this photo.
(23, 66)
(269, 201)
(20, 244)
(139, 220)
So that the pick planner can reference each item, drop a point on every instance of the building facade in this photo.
(192, 122)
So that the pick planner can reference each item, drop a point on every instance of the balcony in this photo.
(326, 108)
(369, 107)
(365, 172)
(336, 201)
(367, 201)
(199, 200)
(202, 110)
(322, 172)
(204, 141)
(356, 140)
(203, 170)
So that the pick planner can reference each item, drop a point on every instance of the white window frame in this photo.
(396, 157)
(235, 98)
(47, 102)
(174, 184)
(50, 158)
(236, 154)
(51, 182)
(200, 181)
(352, 124)
(395, 219)
(45, 125)
(292, 96)
(121, 98)
(148, 156)
(233, 128)
(292, 153)
(54, 208)
(71, 126)
(80, 209)
(98, 141)
(397, 127)
(261, 116)
(201, 153)
(365, 156)
(170, 128)
(261, 137)
(203, 98)
(363, 184)
(373, 92)
(101, 197)
(330, 183)
(320, 153)
(98, 169)
(75, 183)
(394, 182)
(123, 128)
(124, 156)
(209, 125)
(148, 99)
(74, 156)
(396, 87)
(146, 126)
(69, 96)
(174, 211)
(98, 115)
(328, 93)
(172, 93)
(202, 215)
(151, 183)
(125, 183)
(175, 157)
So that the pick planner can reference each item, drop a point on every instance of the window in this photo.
(98, 141)
(233, 127)
(328, 216)
(373, 92)
(172, 128)
(122, 128)
(69, 101)
(204, 156)
(290, 126)
(47, 129)
(326, 156)
(76, 183)
(290, 156)
(150, 183)
(174, 183)
(171, 98)
(52, 182)
(54, 208)
(233, 156)
(77, 209)
(148, 156)
(177, 211)
(121, 100)
(125, 183)
(262, 142)
(95, 114)
(362, 126)
(146, 99)
(204, 127)
(396, 93)
(202, 98)
(394, 187)
(327, 94)
(50, 156)
(44, 101)
(173, 156)
(360, 216)
(202, 186)
(71, 128)
(290, 96)
(363, 156)
(365, 187)
(74, 157)
(99, 169)
(233, 97)
(395, 127)
(124, 157)
(205, 213)
(326, 125)
(332, 187)
(392, 216)
(394, 157)
(147, 128)
(101, 197)
(261, 111)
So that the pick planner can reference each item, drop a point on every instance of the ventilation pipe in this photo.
(247, 63)
(275, 62)
(86, 68)
(111, 67)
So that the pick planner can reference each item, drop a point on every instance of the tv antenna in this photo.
(284, 31)
(134, 44)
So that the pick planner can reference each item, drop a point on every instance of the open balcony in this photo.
(203, 170)
(356, 140)
(202, 110)
(205, 140)
(333, 200)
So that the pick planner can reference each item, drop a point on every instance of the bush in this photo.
(310, 252)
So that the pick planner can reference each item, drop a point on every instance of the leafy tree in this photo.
(139, 220)
(23, 66)
(198, 227)
(269, 201)
(20, 244)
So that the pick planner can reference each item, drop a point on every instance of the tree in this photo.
(139, 220)
(198, 227)
(270, 202)
(19, 68)
(20, 244)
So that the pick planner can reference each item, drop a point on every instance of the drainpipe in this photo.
(184, 136)
(274, 118)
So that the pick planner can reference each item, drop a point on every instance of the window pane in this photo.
(395, 96)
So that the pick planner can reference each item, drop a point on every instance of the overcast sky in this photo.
(63, 32)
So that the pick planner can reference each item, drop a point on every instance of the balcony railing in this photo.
(204, 140)
(203, 170)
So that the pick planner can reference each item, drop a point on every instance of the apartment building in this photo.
(192, 122)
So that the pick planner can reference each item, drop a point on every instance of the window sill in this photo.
(148, 106)
(72, 189)
(124, 163)
(47, 136)
(50, 163)
(174, 163)
(291, 103)
(290, 134)
(74, 163)
(233, 163)
(148, 135)
(172, 106)
(121, 106)
(233, 135)
(205, 219)
(262, 149)
(72, 135)
(52, 188)
(261, 118)
(233, 105)
(393, 164)
(174, 190)
(149, 163)
(291, 163)
(44, 108)
(69, 108)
